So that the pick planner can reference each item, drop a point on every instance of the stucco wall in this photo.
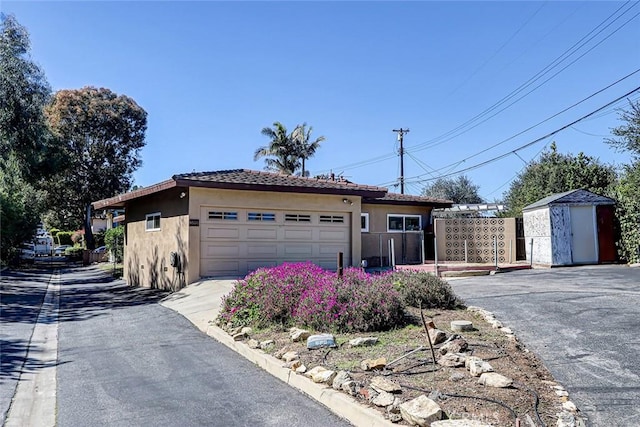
(375, 242)
(560, 218)
(537, 226)
(147, 253)
(268, 200)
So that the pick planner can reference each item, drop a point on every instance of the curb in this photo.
(337, 402)
(465, 273)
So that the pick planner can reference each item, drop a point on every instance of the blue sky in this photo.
(211, 75)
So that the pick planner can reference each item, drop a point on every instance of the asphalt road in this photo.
(584, 322)
(124, 360)
(21, 295)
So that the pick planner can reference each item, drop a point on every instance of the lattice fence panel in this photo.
(479, 234)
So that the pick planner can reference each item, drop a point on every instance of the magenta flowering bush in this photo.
(306, 295)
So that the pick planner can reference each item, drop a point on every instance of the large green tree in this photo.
(280, 154)
(554, 173)
(26, 151)
(459, 190)
(306, 146)
(626, 137)
(287, 152)
(101, 134)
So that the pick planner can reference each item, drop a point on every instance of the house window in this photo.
(364, 222)
(152, 221)
(260, 216)
(230, 216)
(332, 218)
(297, 218)
(400, 223)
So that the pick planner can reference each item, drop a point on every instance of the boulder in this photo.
(437, 336)
(455, 344)
(492, 379)
(452, 360)
(319, 341)
(363, 341)
(253, 343)
(381, 384)
(278, 354)
(301, 369)
(566, 419)
(479, 367)
(246, 330)
(350, 387)
(469, 360)
(371, 364)
(311, 372)
(297, 334)
(341, 378)
(324, 377)
(290, 356)
(383, 399)
(420, 411)
(459, 423)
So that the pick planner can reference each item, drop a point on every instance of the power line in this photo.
(522, 147)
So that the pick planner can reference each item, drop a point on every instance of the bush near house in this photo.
(305, 294)
(64, 238)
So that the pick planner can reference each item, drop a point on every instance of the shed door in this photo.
(583, 236)
(606, 234)
(234, 242)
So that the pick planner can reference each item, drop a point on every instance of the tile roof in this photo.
(256, 180)
(572, 197)
(407, 199)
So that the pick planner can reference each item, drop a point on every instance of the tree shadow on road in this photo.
(15, 361)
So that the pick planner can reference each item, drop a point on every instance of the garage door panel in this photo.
(298, 234)
(262, 250)
(290, 249)
(229, 250)
(270, 233)
(333, 235)
(222, 233)
(221, 267)
(259, 263)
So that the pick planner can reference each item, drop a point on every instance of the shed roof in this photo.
(245, 179)
(573, 197)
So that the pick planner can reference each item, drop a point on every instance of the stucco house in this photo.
(228, 223)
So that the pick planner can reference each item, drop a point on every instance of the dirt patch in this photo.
(531, 399)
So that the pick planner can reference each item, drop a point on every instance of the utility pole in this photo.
(401, 133)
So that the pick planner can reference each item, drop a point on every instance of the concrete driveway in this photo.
(584, 322)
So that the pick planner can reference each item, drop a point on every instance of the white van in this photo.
(43, 245)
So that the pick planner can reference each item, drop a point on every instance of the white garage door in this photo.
(237, 241)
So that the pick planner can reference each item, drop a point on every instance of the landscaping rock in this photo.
(301, 369)
(452, 360)
(341, 378)
(492, 379)
(395, 417)
(381, 384)
(437, 336)
(495, 324)
(253, 343)
(350, 387)
(569, 406)
(479, 367)
(265, 345)
(324, 377)
(456, 376)
(459, 423)
(246, 330)
(421, 411)
(319, 341)
(239, 336)
(372, 364)
(566, 419)
(278, 354)
(363, 341)
(290, 356)
(469, 360)
(383, 399)
(297, 334)
(311, 372)
(455, 344)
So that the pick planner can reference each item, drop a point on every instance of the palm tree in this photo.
(281, 153)
(304, 146)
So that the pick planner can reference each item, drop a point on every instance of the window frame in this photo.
(261, 217)
(404, 222)
(152, 217)
(364, 215)
(222, 216)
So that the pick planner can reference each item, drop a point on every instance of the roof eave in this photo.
(120, 200)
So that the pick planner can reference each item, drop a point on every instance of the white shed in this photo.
(575, 227)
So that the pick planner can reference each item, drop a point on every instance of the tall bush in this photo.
(114, 241)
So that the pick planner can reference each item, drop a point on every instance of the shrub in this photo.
(114, 241)
(64, 237)
(309, 296)
(417, 287)
(74, 253)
